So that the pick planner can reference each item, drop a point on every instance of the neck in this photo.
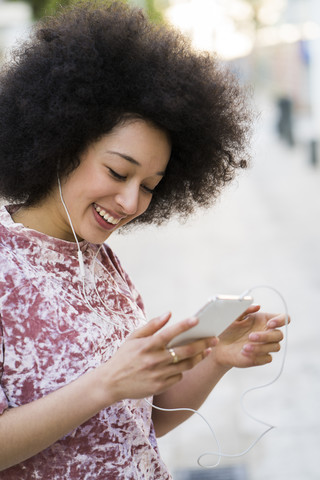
(43, 219)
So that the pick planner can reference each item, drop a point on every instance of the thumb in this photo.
(252, 309)
(152, 327)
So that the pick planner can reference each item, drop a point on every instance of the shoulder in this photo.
(16, 277)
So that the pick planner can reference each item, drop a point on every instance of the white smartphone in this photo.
(214, 317)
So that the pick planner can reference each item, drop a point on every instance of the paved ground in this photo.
(264, 230)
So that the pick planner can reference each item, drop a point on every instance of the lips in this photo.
(106, 216)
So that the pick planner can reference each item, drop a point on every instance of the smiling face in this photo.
(115, 179)
(112, 185)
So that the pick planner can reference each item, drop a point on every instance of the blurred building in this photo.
(294, 70)
(271, 44)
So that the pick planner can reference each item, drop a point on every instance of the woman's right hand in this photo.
(143, 365)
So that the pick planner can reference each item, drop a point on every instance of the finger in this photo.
(196, 349)
(188, 363)
(166, 382)
(170, 381)
(267, 336)
(251, 349)
(152, 326)
(251, 309)
(278, 321)
(165, 336)
(261, 360)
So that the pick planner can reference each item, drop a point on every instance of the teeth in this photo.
(106, 216)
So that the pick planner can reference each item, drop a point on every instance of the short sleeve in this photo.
(3, 399)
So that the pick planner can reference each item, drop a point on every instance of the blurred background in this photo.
(264, 230)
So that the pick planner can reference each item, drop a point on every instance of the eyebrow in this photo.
(131, 160)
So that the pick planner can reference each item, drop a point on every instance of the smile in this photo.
(108, 218)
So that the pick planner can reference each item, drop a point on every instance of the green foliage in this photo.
(41, 8)
(153, 13)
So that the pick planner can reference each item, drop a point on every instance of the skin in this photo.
(117, 173)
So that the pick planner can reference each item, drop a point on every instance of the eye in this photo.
(116, 175)
(148, 190)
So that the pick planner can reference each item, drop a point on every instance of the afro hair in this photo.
(83, 70)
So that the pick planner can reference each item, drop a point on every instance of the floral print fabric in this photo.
(54, 328)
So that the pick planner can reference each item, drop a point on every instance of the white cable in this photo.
(114, 286)
(218, 453)
(80, 259)
(285, 346)
(82, 270)
(202, 417)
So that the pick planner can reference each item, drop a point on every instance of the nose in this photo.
(128, 198)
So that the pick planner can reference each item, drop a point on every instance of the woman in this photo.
(106, 119)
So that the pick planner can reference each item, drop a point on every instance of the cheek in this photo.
(90, 177)
(97, 187)
(144, 204)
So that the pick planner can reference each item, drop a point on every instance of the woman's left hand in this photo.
(250, 340)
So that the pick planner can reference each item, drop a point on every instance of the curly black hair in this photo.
(83, 70)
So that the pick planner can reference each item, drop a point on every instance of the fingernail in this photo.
(254, 337)
(214, 341)
(271, 324)
(163, 316)
(247, 348)
(207, 351)
(247, 354)
(193, 321)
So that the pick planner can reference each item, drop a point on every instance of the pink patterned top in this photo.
(49, 336)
